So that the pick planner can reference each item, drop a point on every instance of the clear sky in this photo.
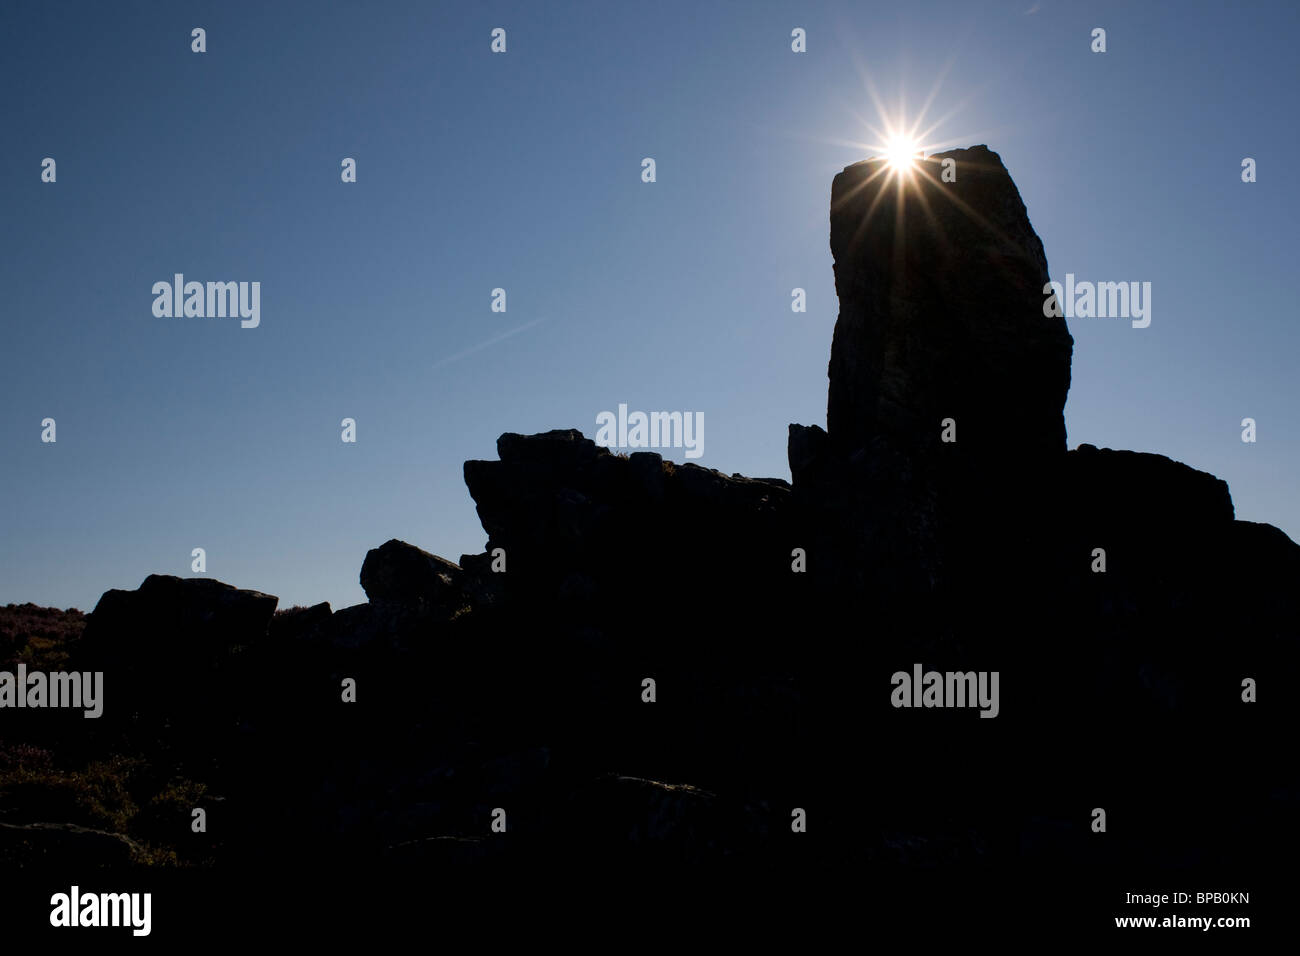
(523, 171)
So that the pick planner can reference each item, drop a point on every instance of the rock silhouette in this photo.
(523, 689)
(941, 312)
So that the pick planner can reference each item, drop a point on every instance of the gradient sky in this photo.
(523, 171)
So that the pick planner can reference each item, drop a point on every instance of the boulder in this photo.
(170, 619)
(403, 574)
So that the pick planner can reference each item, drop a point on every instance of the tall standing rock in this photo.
(941, 311)
(941, 318)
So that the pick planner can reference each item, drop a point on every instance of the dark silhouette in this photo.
(522, 690)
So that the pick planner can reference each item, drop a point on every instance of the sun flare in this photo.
(901, 152)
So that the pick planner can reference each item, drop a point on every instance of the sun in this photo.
(900, 152)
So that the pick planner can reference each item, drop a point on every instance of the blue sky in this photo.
(522, 171)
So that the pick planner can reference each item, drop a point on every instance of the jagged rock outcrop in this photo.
(591, 535)
(516, 678)
(1140, 492)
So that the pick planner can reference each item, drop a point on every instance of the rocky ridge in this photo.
(521, 688)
